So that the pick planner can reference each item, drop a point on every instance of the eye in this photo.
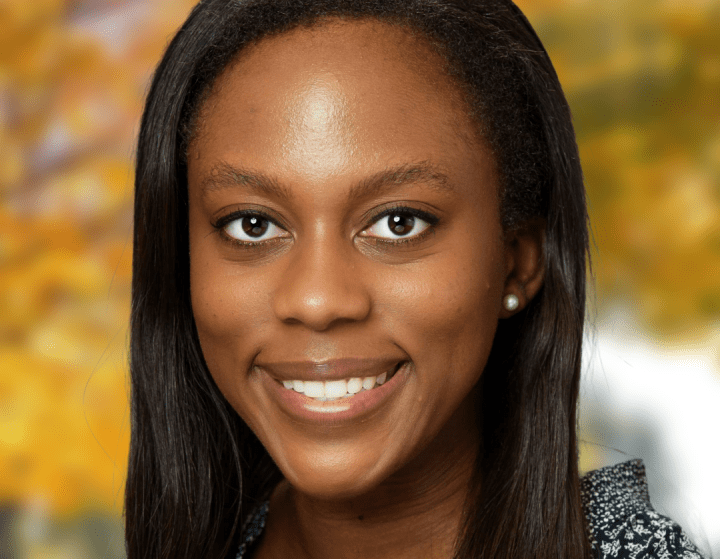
(397, 224)
(253, 228)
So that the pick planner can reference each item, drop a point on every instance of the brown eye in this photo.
(253, 228)
(401, 224)
(397, 225)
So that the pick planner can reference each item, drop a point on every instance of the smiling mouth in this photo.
(332, 390)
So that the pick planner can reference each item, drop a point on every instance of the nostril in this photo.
(319, 292)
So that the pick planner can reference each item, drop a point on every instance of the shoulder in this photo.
(621, 520)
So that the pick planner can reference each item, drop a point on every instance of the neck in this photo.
(417, 512)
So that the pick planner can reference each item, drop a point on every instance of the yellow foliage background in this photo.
(642, 77)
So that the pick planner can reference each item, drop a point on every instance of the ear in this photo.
(525, 265)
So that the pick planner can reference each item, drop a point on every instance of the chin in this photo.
(335, 476)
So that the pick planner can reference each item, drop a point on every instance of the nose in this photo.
(321, 288)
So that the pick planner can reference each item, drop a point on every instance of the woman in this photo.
(358, 293)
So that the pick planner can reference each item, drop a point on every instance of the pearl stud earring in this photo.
(511, 302)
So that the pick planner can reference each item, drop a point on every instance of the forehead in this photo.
(318, 100)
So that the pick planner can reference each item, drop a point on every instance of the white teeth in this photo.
(354, 385)
(335, 388)
(369, 382)
(315, 388)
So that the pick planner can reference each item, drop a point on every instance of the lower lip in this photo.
(364, 403)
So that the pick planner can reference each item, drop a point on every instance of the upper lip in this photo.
(334, 369)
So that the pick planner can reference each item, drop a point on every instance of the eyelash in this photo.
(221, 224)
(429, 218)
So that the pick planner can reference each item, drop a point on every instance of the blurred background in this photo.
(643, 80)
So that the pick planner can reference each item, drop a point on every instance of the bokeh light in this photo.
(643, 80)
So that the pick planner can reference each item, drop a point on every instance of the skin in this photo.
(315, 119)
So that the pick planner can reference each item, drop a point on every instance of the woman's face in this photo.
(344, 230)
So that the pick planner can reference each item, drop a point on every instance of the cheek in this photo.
(452, 290)
(227, 306)
(447, 312)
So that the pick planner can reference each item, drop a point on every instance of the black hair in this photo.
(195, 468)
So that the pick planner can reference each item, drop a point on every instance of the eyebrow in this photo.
(388, 179)
(223, 175)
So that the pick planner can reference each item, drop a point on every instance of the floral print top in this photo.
(621, 520)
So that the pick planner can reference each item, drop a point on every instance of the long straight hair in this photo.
(195, 468)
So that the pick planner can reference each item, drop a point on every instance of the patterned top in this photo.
(622, 523)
